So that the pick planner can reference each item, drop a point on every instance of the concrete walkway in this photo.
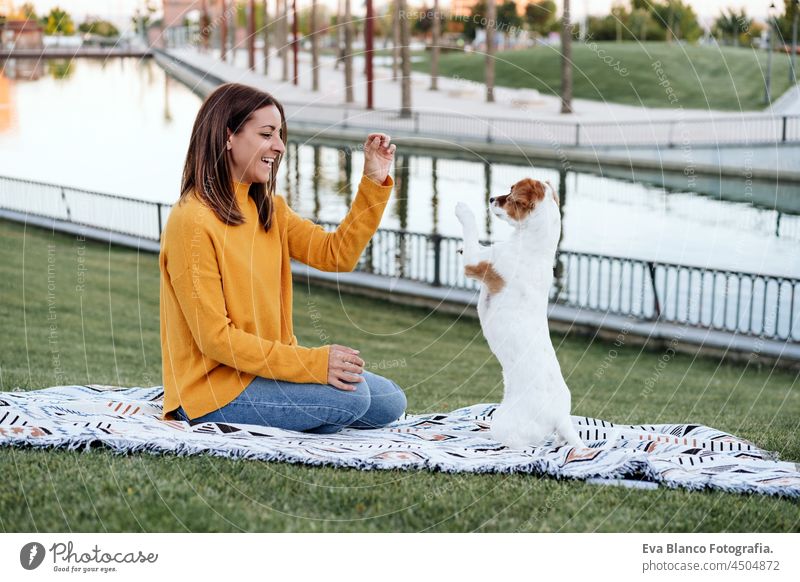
(520, 123)
(788, 103)
(468, 96)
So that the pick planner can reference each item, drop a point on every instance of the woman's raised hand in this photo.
(378, 156)
(343, 367)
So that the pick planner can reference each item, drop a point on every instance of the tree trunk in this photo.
(265, 33)
(669, 23)
(223, 32)
(338, 34)
(395, 38)
(405, 51)
(205, 26)
(251, 35)
(566, 61)
(369, 52)
(295, 45)
(435, 48)
(348, 53)
(284, 50)
(314, 48)
(491, 17)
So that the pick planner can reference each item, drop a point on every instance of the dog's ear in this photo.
(529, 190)
(554, 193)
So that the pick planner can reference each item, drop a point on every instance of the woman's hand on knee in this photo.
(344, 365)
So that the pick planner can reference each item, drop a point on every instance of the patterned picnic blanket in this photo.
(127, 420)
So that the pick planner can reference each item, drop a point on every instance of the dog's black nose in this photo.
(491, 200)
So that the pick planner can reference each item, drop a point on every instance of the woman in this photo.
(228, 350)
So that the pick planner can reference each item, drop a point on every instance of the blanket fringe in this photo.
(632, 469)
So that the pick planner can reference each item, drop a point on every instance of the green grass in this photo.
(110, 334)
(702, 77)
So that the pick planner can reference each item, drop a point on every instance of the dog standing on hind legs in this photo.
(516, 277)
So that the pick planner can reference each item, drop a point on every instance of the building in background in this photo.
(176, 10)
(462, 7)
(22, 34)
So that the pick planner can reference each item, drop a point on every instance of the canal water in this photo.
(122, 127)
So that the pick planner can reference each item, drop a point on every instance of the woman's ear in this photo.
(228, 138)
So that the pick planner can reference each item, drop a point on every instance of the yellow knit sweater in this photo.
(226, 294)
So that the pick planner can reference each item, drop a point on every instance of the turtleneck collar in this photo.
(241, 190)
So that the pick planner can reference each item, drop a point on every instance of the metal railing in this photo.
(109, 212)
(747, 129)
(747, 303)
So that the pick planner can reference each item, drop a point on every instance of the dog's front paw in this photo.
(464, 214)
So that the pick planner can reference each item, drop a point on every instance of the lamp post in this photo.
(771, 33)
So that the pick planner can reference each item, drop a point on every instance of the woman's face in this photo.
(252, 150)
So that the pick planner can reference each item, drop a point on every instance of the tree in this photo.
(735, 25)
(98, 27)
(304, 18)
(504, 17)
(59, 22)
(508, 20)
(540, 16)
(642, 26)
(28, 12)
(621, 17)
(427, 17)
(473, 22)
(655, 20)
(785, 21)
(678, 19)
(142, 20)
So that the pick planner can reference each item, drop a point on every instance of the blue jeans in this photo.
(314, 408)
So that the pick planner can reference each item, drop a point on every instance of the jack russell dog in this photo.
(516, 277)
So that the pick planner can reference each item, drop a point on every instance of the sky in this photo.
(119, 11)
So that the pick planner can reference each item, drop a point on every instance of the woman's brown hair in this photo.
(206, 171)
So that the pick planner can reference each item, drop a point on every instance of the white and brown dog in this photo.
(517, 275)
